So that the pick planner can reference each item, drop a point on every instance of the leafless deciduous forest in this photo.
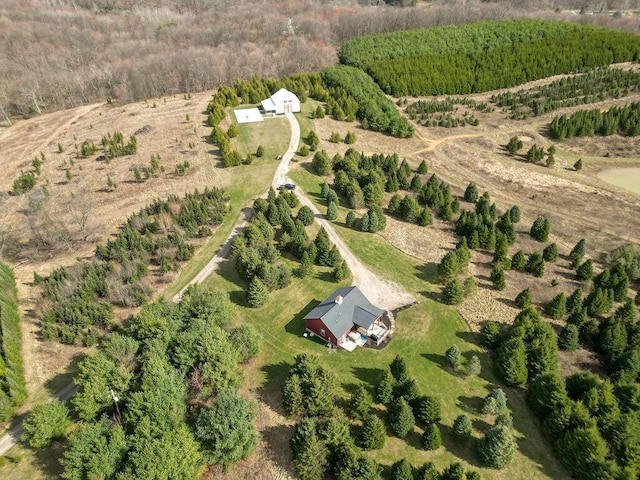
(58, 54)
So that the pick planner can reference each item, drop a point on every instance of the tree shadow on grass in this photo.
(270, 392)
(464, 450)
(275, 440)
(368, 375)
(428, 272)
(46, 460)
(296, 326)
(470, 404)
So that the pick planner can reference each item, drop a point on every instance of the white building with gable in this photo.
(283, 101)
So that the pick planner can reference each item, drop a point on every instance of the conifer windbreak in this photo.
(483, 56)
(12, 384)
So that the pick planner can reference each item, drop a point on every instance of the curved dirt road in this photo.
(385, 294)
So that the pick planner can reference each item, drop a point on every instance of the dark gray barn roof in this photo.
(344, 307)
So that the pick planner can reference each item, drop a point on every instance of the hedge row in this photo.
(12, 385)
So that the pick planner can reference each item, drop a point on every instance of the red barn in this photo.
(346, 319)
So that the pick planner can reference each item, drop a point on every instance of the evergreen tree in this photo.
(401, 470)
(321, 163)
(449, 267)
(524, 299)
(453, 292)
(46, 423)
(364, 222)
(427, 409)
(540, 229)
(497, 278)
(422, 168)
(350, 220)
(425, 217)
(471, 193)
(462, 428)
(260, 151)
(585, 271)
(257, 293)
(518, 261)
(470, 286)
(428, 471)
(502, 248)
(305, 215)
(374, 433)
(490, 334)
(577, 252)
(574, 301)
(568, 338)
(514, 145)
(306, 266)
(514, 214)
(495, 403)
(550, 253)
(535, 265)
(384, 388)
(360, 403)
(340, 272)
(511, 362)
(323, 246)
(292, 396)
(497, 447)
(578, 165)
(452, 356)
(400, 417)
(350, 138)
(398, 369)
(431, 437)
(332, 211)
(546, 394)
(557, 307)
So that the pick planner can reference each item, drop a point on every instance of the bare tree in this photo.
(81, 207)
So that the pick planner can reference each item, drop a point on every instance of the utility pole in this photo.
(115, 401)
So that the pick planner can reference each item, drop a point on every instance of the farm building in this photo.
(347, 319)
(283, 101)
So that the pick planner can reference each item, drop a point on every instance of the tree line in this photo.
(504, 65)
(13, 389)
(593, 86)
(623, 120)
(78, 301)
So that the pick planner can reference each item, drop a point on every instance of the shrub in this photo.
(350, 138)
(25, 182)
(550, 253)
(431, 437)
(497, 447)
(578, 165)
(470, 286)
(462, 428)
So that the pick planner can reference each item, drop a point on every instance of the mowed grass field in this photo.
(424, 332)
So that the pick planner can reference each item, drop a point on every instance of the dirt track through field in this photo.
(385, 294)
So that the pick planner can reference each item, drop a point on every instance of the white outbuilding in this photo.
(283, 101)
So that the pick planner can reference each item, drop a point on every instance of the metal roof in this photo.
(343, 308)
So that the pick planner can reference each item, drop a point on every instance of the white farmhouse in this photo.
(283, 101)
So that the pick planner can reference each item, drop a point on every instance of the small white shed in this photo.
(283, 101)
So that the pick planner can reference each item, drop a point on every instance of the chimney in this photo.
(338, 299)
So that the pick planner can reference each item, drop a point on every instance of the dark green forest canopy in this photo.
(484, 56)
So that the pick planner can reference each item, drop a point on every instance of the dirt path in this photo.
(8, 441)
(381, 292)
